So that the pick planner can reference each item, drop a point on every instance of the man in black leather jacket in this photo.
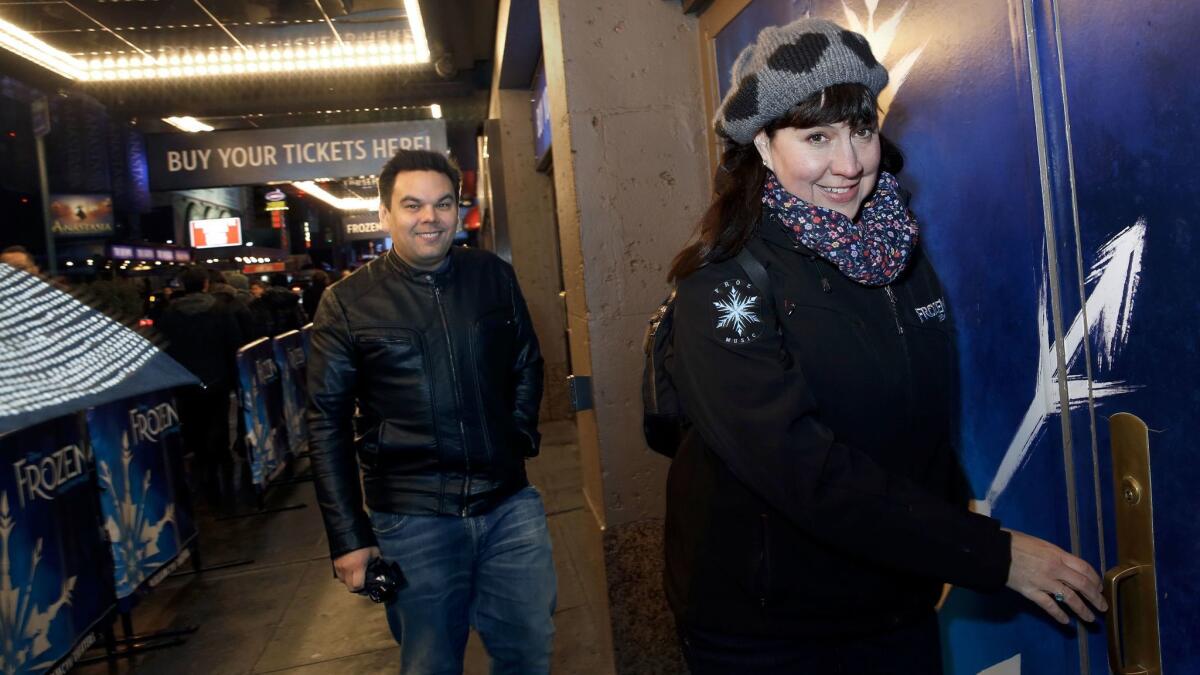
(436, 348)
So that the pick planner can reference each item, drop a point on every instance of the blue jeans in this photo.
(494, 572)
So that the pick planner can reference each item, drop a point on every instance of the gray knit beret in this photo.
(786, 65)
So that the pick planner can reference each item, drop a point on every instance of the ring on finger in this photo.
(1059, 597)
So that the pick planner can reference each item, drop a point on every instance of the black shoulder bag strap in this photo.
(759, 277)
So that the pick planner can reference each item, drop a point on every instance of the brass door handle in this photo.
(1129, 587)
(1112, 584)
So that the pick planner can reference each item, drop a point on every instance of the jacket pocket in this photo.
(396, 388)
(385, 339)
(495, 332)
(385, 524)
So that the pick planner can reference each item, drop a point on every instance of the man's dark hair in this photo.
(16, 249)
(215, 277)
(279, 279)
(192, 279)
(416, 160)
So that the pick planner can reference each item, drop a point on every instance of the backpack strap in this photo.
(757, 273)
(759, 277)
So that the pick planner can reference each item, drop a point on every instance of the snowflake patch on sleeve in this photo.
(737, 312)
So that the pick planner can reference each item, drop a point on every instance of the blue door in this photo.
(1047, 146)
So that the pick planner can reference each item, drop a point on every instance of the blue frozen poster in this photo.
(56, 582)
(260, 391)
(290, 357)
(146, 509)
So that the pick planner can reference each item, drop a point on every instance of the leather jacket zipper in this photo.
(462, 430)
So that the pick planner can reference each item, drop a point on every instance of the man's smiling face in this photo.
(422, 217)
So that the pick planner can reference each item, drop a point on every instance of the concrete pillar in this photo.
(533, 239)
(631, 180)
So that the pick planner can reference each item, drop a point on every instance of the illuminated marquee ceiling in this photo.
(259, 63)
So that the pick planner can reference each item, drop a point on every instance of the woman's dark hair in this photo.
(416, 160)
(730, 219)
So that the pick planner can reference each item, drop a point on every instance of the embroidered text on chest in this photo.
(934, 310)
(736, 311)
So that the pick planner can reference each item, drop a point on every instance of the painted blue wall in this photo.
(1134, 128)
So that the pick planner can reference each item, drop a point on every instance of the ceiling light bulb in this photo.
(190, 124)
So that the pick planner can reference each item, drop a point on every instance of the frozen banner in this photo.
(260, 390)
(144, 501)
(290, 357)
(56, 581)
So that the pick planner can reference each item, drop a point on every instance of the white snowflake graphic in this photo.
(737, 311)
(134, 537)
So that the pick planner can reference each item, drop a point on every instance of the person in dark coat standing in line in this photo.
(277, 310)
(311, 297)
(204, 337)
(228, 299)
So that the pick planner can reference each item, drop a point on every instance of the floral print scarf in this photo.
(872, 250)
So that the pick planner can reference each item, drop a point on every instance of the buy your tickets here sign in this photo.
(187, 160)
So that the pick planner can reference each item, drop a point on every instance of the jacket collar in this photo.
(769, 230)
(440, 276)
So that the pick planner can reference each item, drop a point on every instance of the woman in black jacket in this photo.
(816, 507)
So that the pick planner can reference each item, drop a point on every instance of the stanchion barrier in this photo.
(56, 574)
(290, 358)
(260, 391)
(144, 499)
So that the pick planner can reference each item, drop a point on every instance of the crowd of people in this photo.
(203, 323)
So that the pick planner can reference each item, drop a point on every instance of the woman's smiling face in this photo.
(834, 166)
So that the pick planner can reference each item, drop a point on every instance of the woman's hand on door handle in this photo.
(1040, 571)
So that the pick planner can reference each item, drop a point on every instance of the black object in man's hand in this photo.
(383, 580)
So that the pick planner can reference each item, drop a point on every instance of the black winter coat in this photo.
(276, 311)
(446, 371)
(203, 336)
(817, 492)
(230, 300)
